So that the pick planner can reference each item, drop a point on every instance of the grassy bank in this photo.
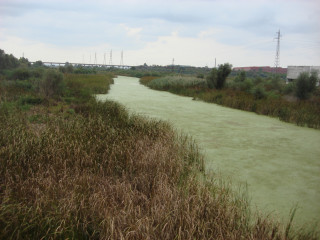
(244, 96)
(74, 168)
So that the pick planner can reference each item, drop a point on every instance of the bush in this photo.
(21, 74)
(305, 85)
(241, 77)
(38, 72)
(246, 85)
(259, 93)
(52, 84)
(289, 88)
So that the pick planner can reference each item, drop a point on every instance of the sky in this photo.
(162, 32)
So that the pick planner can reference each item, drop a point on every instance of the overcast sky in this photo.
(193, 32)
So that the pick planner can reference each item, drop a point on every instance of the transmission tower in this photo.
(121, 61)
(110, 59)
(277, 58)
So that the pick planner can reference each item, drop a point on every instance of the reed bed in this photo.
(164, 83)
(302, 113)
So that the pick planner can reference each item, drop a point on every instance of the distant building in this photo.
(261, 69)
(294, 72)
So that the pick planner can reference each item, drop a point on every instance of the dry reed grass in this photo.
(103, 174)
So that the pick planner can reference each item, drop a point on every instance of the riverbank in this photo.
(302, 113)
(76, 168)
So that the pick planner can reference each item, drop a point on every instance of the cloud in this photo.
(241, 29)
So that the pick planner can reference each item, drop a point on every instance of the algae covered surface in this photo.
(278, 162)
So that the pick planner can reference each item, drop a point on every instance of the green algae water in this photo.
(279, 162)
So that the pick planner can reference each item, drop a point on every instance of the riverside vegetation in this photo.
(75, 168)
(297, 102)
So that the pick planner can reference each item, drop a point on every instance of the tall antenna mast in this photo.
(277, 58)
(121, 61)
(110, 59)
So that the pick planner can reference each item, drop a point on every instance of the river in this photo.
(279, 162)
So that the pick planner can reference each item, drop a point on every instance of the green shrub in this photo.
(259, 93)
(289, 88)
(31, 100)
(305, 85)
(21, 74)
(241, 77)
(246, 85)
(52, 84)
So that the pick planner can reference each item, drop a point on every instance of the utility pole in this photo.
(277, 58)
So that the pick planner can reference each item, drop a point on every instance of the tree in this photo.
(24, 62)
(217, 77)
(68, 67)
(305, 85)
(7, 61)
(38, 64)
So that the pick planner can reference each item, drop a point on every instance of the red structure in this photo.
(261, 69)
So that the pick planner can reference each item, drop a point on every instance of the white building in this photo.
(294, 72)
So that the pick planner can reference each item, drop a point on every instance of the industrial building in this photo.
(293, 72)
(262, 69)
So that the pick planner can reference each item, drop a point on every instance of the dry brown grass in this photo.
(103, 174)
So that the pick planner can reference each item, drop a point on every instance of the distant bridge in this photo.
(84, 65)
